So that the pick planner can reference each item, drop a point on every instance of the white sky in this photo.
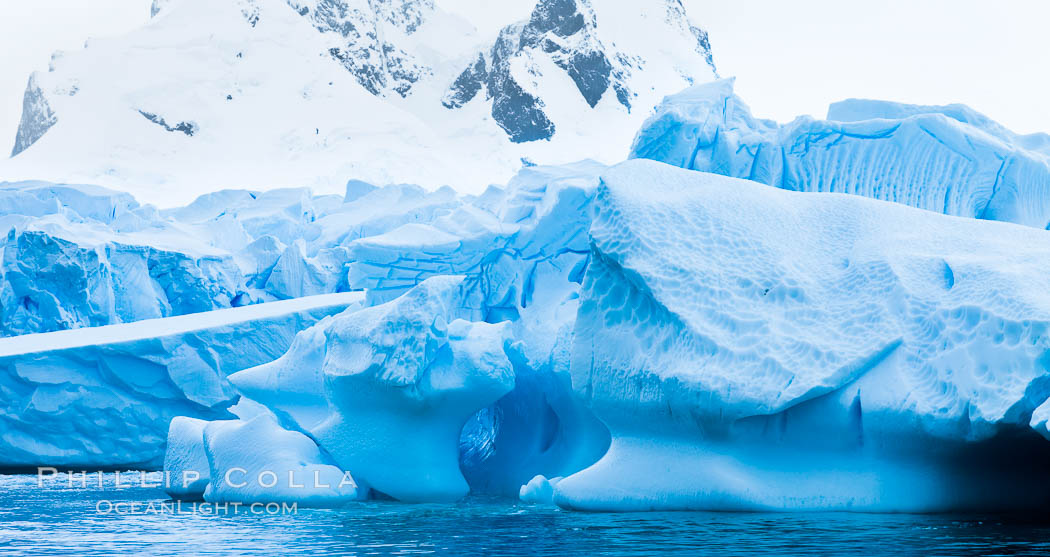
(797, 57)
(790, 58)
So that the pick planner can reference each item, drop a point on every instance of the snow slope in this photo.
(260, 94)
(948, 159)
(103, 396)
(753, 348)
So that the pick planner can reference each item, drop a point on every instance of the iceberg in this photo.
(654, 338)
(104, 396)
(948, 159)
(399, 381)
(82, 256)
(752, 348)
(650, 336)
(521, 253)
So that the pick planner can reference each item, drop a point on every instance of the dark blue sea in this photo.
(55, 519)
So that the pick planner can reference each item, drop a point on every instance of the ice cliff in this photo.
(76, 256)
(752, 348)
(717, 344)
(103, 396)
(948, 159)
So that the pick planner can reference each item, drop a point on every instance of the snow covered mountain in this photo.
(271, 93)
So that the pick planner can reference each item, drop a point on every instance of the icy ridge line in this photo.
(947, 159)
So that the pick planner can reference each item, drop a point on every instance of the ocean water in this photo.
(54, 519)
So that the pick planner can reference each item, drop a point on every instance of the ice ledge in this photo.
(171, 326)
(103, 396)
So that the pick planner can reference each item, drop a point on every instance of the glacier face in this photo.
(947, 159)
(103, 396)
(363, 86)
(753, 348)
(76, 256)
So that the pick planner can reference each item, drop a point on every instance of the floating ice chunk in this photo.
(257, 461)
(355, 189)
(539, 490)
(950, 160)
(738, 339)
(294, 275)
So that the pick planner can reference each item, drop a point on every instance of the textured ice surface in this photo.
(76, 256)
(185, 462)
(946, 159)
(257, 461)
(504, 242)
(659, 338)
(399, 381)
(754, 348)
(539, 490)
(103, 396)
(522, 253)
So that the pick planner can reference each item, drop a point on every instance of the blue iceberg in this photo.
(668, 333)
(948, 159)
(103, 396)
(753, 349)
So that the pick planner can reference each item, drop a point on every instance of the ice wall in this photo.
(103, 396)
(948, 159)
(752, 348)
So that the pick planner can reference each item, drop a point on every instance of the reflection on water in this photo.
(58, 520)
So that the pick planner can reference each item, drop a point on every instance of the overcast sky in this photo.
(790, 58)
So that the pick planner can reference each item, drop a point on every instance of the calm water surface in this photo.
(58, 520)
